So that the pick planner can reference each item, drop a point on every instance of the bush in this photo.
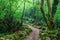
(8, 24)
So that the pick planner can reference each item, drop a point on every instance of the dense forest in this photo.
(29, 20)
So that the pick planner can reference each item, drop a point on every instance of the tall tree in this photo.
(51, 12)
(34, 9)
(23, 13)
(54, 7)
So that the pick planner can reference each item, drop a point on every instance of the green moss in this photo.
(49, 33)
(19, 35)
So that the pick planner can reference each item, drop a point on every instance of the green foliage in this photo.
(11, 12)
(57, 16)
(8, 20)
(52, 34)
(19, 35)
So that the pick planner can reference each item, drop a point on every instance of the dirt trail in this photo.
(34, 35)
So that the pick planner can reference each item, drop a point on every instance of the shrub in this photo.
(8, 24)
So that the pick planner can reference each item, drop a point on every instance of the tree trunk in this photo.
(43, 13)
(50, 19)
(23, 14)
(54, 7)
(51, 12)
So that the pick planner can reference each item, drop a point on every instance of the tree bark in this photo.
(54, 7)
(51, 12)
(51, 23)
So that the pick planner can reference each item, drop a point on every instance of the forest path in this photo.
(34, 35)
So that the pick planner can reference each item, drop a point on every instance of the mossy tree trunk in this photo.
(51, 11)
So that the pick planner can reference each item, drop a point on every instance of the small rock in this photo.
(48, 38)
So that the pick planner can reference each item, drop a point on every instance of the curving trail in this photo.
(34, 35)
